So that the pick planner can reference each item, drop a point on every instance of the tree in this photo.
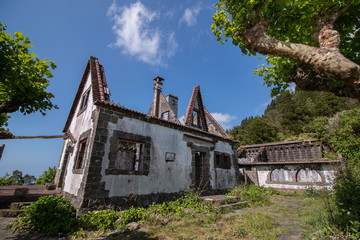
(314, 44)
(23, 77)
(17, 178)
(47, 177)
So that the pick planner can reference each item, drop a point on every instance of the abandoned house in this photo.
(115, 156)
(292, 165)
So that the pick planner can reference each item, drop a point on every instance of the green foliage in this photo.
(6, 180)
(17, 178)
(47, 177)
(342, 133)
(99, 220)
(187, 205)
(255, 195)
(288, 21)
(49, 215)
(133, 215)
(23, 77)
(287, 114)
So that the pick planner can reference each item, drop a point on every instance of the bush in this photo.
(342, 132)
(188, 204)
(255, 195)
(49, 215)
(99, 220)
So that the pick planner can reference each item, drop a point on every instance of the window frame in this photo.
(84, 100)
(80, 156)
(222, 160)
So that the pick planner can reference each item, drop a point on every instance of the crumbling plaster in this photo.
(83, 122)
(163, 176)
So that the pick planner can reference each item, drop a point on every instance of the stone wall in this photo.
(282, 151)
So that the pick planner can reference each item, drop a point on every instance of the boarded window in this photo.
(130, 155)
(222, 160)
(80, 154)
(308, 175)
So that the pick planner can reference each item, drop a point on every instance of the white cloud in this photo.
(172, 45)
(223, 119)
(190, 15)
(135, 36)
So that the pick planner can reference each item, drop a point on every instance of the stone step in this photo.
(19, 205)
(234, 205)
(10, 213)
(220, 199)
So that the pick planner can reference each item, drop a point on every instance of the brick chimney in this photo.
(158, 83)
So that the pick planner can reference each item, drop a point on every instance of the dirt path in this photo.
(288, 212)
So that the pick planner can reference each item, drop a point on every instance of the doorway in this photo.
(200, 180)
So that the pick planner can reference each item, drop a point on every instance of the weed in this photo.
(255, 195)
(99, 220)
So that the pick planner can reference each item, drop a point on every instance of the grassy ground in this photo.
(287, 217)
(270, 215)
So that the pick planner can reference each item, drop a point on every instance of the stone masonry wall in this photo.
(284, 151)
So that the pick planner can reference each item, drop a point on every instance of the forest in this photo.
(289, 116)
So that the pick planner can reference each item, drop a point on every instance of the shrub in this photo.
(342, 132)
(132, 215)
(49, 215)
(185, 205)
(99, 220)
(255, 195)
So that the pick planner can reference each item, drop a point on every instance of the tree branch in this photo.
(324, 61)
(309, 80)
(9, 106)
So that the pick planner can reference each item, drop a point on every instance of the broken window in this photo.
(80, 154)
(84, 101)
(165, 115)
(130, 155)
(196, 118)
(222, 160)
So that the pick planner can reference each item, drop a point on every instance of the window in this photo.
(130, 155)
(196, 118)
(222, 160)
(80, 154)
(165, 115)
(84, 101)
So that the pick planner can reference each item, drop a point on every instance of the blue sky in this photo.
(135, 41)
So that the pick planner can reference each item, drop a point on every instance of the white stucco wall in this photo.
(223, 178)
(79, 124)
(163, 177)
(327, 173)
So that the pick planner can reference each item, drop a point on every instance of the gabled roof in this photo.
(196, 100)
(219, 130)
(99, 87)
